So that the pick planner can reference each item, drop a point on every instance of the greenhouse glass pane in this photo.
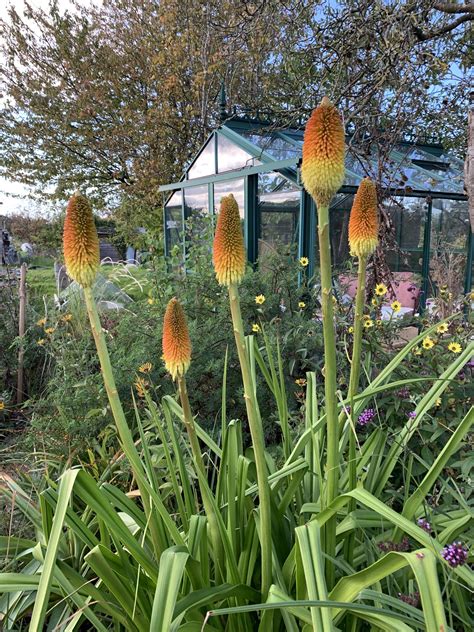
(408, 216)
(402, 172)
(236, 187)
(276, 147)
(174, 223)
(230, 156)
(205, 164)
(448, 246)
(279, 208)
(196, 212)
(338, 229)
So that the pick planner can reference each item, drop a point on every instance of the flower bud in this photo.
(363, 222)
(176, 341)
(322, 169)
(229, 252)
(81, 244)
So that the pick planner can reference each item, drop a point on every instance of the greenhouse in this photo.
(260, 164)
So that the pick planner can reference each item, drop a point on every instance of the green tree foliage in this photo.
(117, 96)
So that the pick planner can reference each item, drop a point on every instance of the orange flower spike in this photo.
(229, 252)
(176, 341)
(81, 244)
(322, 169)
(364, 223)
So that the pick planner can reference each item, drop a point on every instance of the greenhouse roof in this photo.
(244, 146)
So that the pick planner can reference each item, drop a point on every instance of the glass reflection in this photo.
(408, 216)
(275, 146)
(236, 187)
(279, 208)
(230, 156)
(174, 224)
(196, 210)
(205, 163)
(448, 246)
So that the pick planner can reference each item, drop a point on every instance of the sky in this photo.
(13, 195)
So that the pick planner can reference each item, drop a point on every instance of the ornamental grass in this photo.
(187, 532)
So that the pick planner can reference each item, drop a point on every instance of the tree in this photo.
(115, 98)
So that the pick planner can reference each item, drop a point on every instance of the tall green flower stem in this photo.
(126, 438)
(256, 432)
(353, 387)
(209, 507)
(330, 385)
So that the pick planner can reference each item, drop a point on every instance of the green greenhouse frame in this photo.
(260, 164)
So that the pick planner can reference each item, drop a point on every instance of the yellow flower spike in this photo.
(176, 341)
(260, 299)
(81, 244)
(229, 252)
(363, 222)
(322, 168)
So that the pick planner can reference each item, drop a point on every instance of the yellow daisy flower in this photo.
(368, 323)
(49, 330)
(455, 347)
(301, 305)
(300, 381)
(66, 318)
(396, 306)
(304, 261)
(381, 289)
(428, 343)
(374, 302)
(146, 367)
(151, 301)
(350, 330)
(256, 328)
(41, 322)
(2, 405)
(260, 299)
(416, 351)
(378, 322)
(40, 342)
(438, 402)
(442, 329)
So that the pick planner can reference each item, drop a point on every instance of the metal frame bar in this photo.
(425, 264)
(252, 217)
(275, 165)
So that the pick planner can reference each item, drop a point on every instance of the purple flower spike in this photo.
(412, 414)
(403, 393)
(424, 524)
(455, 554)
(366, 416)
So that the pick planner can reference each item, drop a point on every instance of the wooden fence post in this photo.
(21, 333)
